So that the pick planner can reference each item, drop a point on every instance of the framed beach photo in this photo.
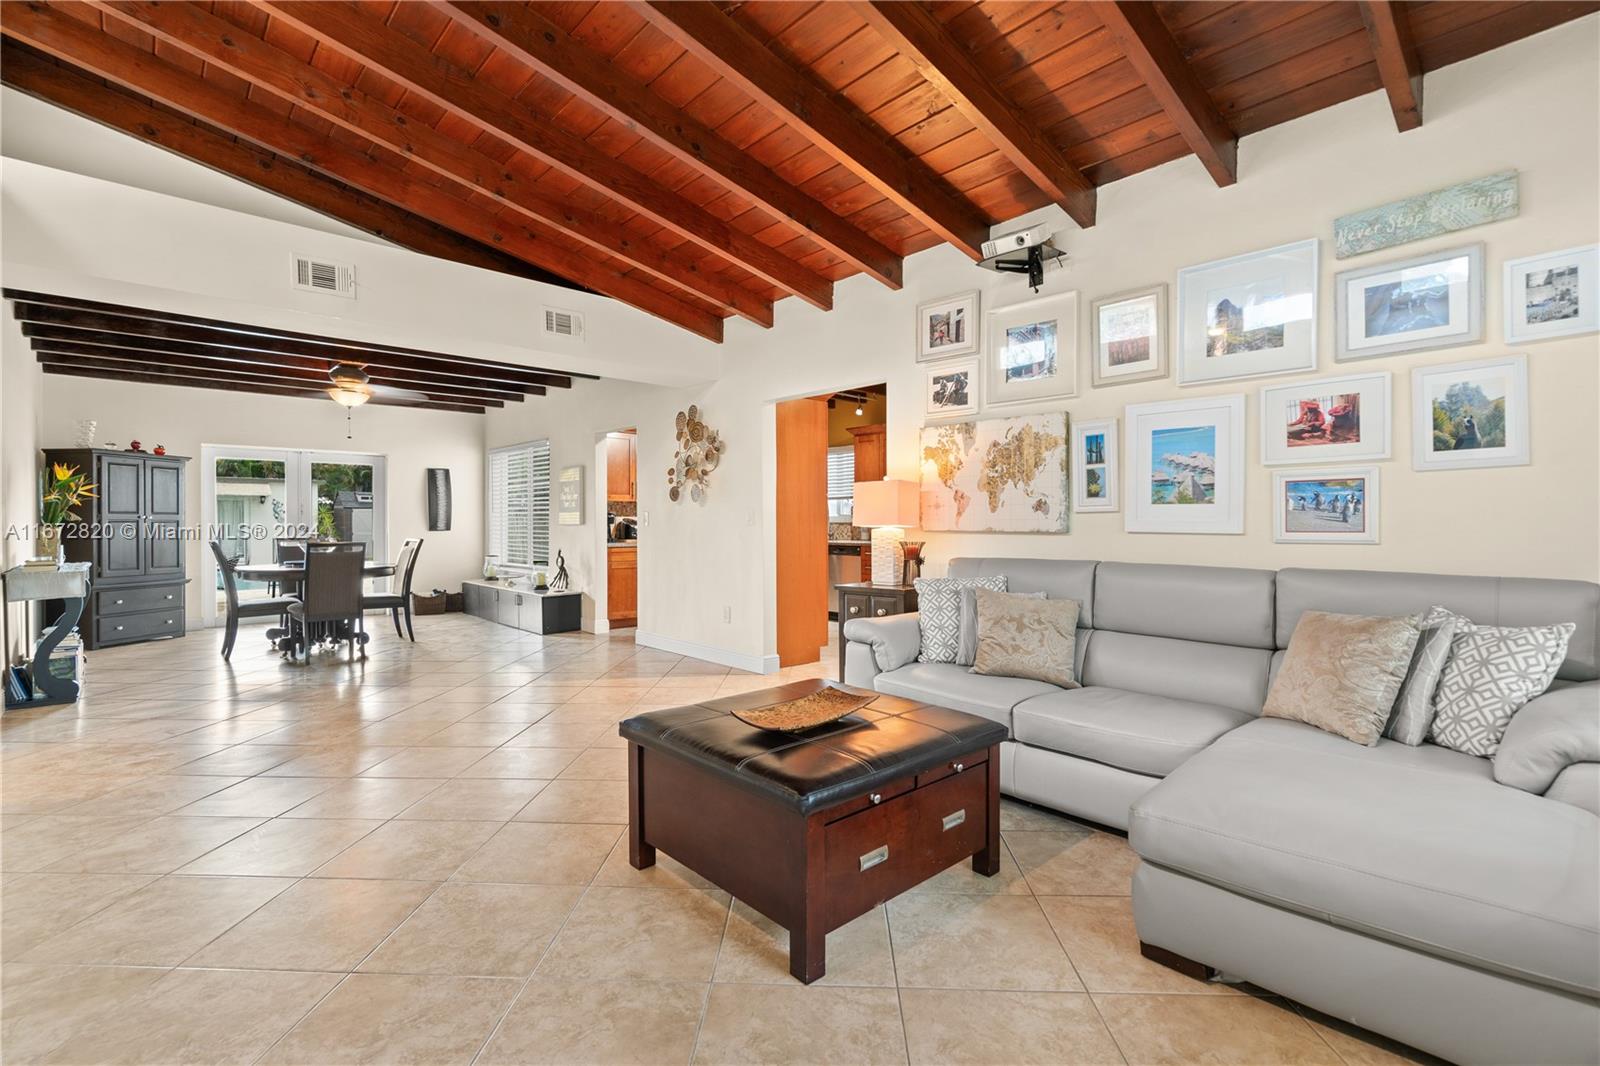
(952, 389)
(948, 327)
(1249, 316)
(1033, 351)
(1128, 336)
(1330, 420)
(1185, 466)
(1553, 295)
(1466, 415)
(1095, 470)
(1325, 506)
(1430, 301)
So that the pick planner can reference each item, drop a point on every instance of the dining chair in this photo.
(330, 594)
(286, 550)
(271, 606)
(396, 603)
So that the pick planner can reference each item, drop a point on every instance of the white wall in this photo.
(20, 390)
(1484, 115)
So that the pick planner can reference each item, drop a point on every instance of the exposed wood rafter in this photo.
(160, 376)
(946, 64)
(834, 125)
(541, 44)
(365, 40)
(1396, 55)
(1137, 27)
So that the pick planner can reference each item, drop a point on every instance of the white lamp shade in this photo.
(887, 503)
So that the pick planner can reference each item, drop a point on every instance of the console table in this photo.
(68, 583)
(521, 607)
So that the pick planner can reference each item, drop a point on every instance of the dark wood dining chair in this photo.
(330, 597)
(272, 606)
(286, 550)
(399, 601)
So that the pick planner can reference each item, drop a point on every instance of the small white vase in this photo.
(86, 432)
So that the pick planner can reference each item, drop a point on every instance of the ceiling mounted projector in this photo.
(1024, 252)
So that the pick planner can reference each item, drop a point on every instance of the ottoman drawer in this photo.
(882, 851)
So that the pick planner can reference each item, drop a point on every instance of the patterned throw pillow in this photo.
(967, 642)
(1492, 672)
(1413, 709)
(1342, 672)
(1026, 636)
(939, 613)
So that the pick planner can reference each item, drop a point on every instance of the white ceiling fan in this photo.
(352, 387)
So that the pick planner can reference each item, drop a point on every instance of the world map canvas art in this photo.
(998, 475)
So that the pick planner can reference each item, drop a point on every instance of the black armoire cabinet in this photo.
(132, 533)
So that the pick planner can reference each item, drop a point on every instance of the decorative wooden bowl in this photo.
(806, 712)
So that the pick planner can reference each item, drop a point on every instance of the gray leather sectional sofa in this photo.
(1448, 901)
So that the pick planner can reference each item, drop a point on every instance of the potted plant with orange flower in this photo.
(65, 490)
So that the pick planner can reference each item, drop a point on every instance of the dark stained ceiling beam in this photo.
(1396, 55)
(217, 41)
(43, 78)
(1137, 28)
(523, 32)
(156, 377)
(368, 41)
(80, 44)
(832, 124)
(947, 65)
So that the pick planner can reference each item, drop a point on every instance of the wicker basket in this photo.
(455, 601)
(421, 604)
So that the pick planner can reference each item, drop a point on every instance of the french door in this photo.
(251, 497)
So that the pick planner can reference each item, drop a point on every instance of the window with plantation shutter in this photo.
(841, 482)
(519, 505)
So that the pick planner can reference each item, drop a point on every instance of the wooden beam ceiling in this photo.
(946, 64)
(1148, 44)
(343, 27)
(1398, 63)
(227, 383)
(544, 46)
(832, 124)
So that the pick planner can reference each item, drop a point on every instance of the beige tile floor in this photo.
(419, 859)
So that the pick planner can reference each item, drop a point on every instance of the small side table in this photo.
(69, 583)
(863, 599)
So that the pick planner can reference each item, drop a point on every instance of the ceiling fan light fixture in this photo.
(349, 395)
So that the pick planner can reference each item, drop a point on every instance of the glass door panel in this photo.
(251, 508)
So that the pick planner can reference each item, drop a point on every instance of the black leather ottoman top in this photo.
(887, 740)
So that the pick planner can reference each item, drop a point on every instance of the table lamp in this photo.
(888, 508)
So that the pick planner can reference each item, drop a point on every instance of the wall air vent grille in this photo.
(561, 323)
(319, 275)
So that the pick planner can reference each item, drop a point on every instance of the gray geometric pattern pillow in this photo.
(939, 613)
(1413, 708)
(1492, 672)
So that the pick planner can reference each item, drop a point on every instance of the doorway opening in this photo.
(622, 528)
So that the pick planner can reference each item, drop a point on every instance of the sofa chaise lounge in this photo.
(1448, 901)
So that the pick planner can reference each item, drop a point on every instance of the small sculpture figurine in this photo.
(559, 582)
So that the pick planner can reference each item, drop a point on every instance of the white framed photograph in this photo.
(1429, 301)
(1128, 336)
(1249, 316)
(1325, 506)
(1553, 295)
(1466, 415)
(1095, 470)
(1185, 466)
(1330, 420)
(1033, 351)
(948, 326)
(952, 389)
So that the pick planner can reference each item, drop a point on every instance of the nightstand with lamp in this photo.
(888, 508)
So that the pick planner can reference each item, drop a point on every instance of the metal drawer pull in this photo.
(882, 611)
(169, 596)
(958, 766)
(874, 857)
(855, 610)
(119, 629)
(169, 621)
(876, 798)
(119, 603)
(953, 820)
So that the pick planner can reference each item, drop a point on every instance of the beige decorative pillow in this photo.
(1342, 672)
(1020, 636)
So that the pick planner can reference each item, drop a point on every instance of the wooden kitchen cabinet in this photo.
(622, 586)
(872, 452)
(622, 467)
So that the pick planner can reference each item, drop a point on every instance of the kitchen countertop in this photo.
(622, 544)
(850, 543)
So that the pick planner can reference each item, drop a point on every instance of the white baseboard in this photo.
(755, 664)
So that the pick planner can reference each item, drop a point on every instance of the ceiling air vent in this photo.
(320, 275)
(561, 323)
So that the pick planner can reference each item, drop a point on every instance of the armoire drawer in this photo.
(145, 625)
(143, 598)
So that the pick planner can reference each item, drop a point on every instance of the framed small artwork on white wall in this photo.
(1129, 336)
(1325, 506)
(1185, 466)
(1330, 420)
(1429, 301)
(1248, 316)
(1033, 351)
(948, 327)
(1096, 474)
(1466, 415)
(952, 389)
(1553, 295)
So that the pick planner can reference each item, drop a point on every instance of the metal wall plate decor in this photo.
(700, 449)
(438, 498)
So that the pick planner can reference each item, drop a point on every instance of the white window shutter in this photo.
(519, 505)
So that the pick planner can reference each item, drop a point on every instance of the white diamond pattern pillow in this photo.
(939, 613)
(1492, 672)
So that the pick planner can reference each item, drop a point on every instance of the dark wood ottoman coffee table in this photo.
(816, 828)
